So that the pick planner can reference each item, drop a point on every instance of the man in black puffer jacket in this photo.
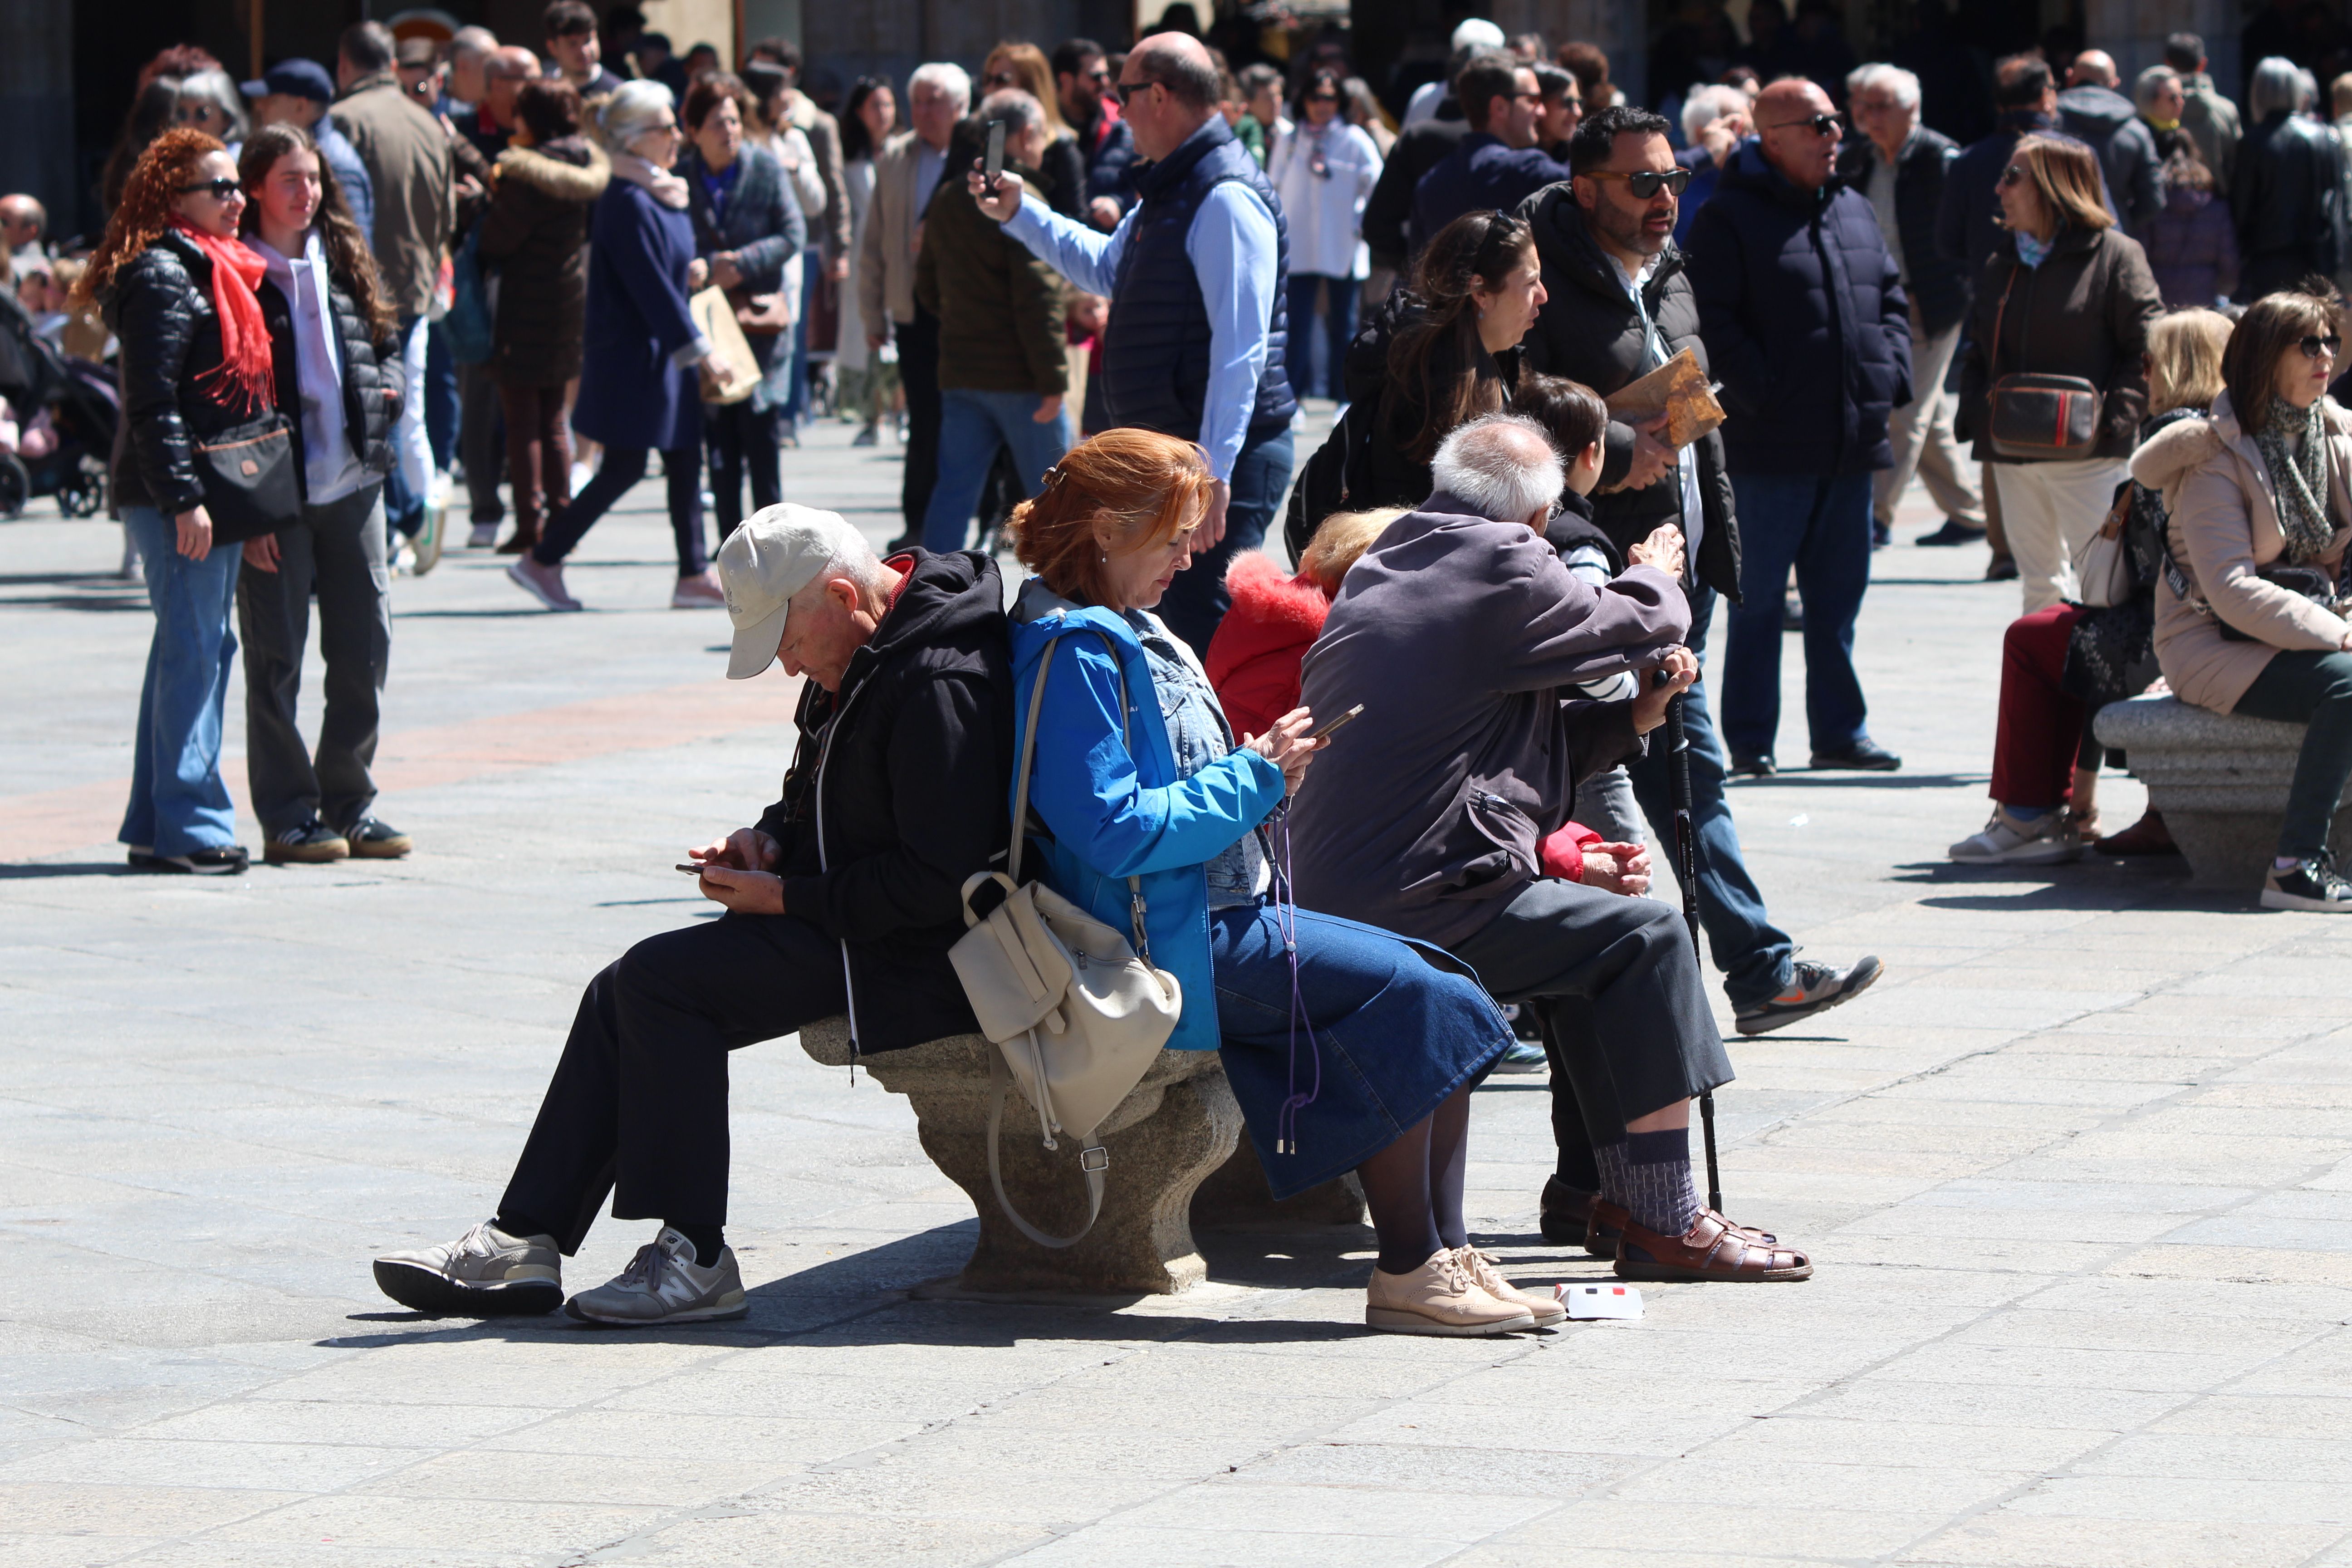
(1805, 323)
(1619, 305)
(845, 899)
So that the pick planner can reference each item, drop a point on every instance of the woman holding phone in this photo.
(1348, 1048)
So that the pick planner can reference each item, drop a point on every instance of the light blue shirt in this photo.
(1233, 247)
(1686, 458)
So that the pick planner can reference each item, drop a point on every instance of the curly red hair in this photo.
(1148, 486)
(147, 206)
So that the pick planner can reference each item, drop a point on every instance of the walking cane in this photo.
(1686, 873)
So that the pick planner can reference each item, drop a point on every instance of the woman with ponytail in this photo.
(335, 356)
(1437, 353)
(1348, 1048)
(176, 287)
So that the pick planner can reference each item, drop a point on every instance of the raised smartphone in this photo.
(995, 164)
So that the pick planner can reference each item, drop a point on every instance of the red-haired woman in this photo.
(177, 289)
(1348, 1047)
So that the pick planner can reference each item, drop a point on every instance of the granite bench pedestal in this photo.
(2220, 781)
(1181, 1128)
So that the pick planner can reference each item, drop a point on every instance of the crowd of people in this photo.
(323, 293)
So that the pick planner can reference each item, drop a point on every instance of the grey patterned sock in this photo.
(1649, 1175)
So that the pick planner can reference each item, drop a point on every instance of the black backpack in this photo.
(1327, 480)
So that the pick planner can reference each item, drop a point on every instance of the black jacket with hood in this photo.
(897, 794)
(1936, 282)
(2107, 121)
(1589, 331)
(1805, 321)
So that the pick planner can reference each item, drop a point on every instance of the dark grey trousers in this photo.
(481, 441)
(1628, 1004)
(336, 551)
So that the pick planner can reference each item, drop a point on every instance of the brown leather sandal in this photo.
(1607, 1222)
(1713, 1248)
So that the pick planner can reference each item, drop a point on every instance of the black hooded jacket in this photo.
(1588, 331)
(896, 796)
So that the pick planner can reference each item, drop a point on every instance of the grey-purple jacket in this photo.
(1458, 636)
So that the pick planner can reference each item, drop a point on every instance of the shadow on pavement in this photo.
(34, 872)
(1815, 778)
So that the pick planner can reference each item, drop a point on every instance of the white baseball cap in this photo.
(1477, 33)
(779, 550)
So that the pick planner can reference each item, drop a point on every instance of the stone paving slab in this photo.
(2074, 1175)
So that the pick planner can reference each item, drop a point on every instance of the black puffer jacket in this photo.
(1380, 471)
(372, 376)
(1935, 281)
(905, 798)
(1588, 331)
(2287, 196)
(159, 308)
(1805, 321)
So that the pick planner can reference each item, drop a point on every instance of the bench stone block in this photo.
(2220, 781)
(1181, 1124)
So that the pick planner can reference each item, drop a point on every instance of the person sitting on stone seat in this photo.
(845, 899)
(1464, 637)
(1347, 1049)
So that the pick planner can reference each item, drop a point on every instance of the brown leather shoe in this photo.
(1607, 1222)
(2149, 836)
(1712, 1248)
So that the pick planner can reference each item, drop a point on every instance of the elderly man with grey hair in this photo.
(844, 899)
(1466, 640)
(906, 171)
(2286, 193)
(1900, 165)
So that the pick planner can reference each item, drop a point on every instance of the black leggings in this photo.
(2307, 687)
(624, 467)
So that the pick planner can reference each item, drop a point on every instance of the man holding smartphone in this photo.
(844, 899)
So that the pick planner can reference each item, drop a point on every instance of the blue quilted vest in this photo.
(1156, 350)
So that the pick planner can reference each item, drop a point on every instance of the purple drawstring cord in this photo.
(1285, 918)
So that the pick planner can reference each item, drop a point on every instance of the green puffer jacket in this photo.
(1001, 310)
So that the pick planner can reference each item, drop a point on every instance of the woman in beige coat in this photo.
(2257, 492)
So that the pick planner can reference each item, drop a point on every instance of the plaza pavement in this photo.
(2073, 1174)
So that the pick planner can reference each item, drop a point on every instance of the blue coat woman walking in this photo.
(638, 387)
(1346, 1047)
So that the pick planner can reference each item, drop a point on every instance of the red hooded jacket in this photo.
(1253, 659)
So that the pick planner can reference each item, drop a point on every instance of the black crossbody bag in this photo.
(248, 472)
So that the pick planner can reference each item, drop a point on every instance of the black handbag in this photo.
(248, 472)
(2038, 419)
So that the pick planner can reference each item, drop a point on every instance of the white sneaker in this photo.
(485, 1273)
(2049, 839)
(427, 542)
(663, 1284)
(404, 558)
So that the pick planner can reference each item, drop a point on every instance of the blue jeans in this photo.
(1339, 331)
(1197, 600)
(972, 424)
(1753, 953)
(178, 801)
(1820, 526)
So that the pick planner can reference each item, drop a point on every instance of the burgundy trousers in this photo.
(2043, 729)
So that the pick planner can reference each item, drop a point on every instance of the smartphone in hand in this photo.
(1321, 731)
(994, 167)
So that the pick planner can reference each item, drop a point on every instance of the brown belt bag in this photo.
(2040, 418)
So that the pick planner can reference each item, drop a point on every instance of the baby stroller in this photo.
(83, 410)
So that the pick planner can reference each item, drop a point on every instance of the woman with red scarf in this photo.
(177, 289)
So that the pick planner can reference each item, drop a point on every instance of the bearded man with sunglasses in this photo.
(1619, 305)
(1807, 327)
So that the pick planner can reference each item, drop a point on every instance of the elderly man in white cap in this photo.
(844, 899)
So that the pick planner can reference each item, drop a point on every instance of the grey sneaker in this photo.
(1814, 987)
(663, 1284)
(485, 1273)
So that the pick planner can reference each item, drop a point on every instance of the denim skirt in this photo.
(1382, 1035)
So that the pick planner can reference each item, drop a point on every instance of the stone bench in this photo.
(2220, 781)
(1178, 1159)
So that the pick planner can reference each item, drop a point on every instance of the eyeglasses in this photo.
(1003, 78)
(1128, 89)
(2313, 347)
(2011, 175)
(223, 189)
(1821, 124)
(1648, 183)
(1099, 75)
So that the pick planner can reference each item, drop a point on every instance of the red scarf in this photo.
(244, 371)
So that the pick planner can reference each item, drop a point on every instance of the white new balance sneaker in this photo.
(663, 1284)
(485, 1273)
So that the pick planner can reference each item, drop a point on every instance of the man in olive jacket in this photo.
(1619, 305)
(1003, 354)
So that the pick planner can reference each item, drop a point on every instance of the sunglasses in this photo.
(1646, 184)
(1128, 89)
(2313, 347)
(1003, 78)
(1821, 124)
(2011, 175)
(223, 189)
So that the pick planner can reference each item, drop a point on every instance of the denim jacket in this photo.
(1119, 809)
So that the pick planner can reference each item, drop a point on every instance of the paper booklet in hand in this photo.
(1677, 389)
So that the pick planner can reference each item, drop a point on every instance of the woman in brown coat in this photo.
(2066, 294)
(2260, 506)
(536, 230)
